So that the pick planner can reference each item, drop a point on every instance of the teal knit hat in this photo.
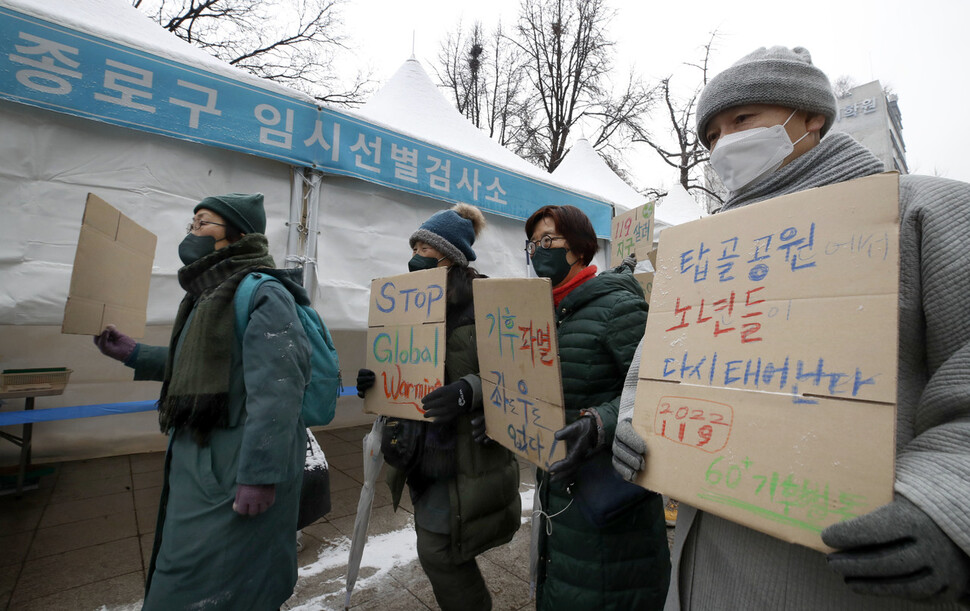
(452, 232)
(244, 211)
(779, 75)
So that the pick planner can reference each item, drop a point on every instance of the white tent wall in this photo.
(48, 164)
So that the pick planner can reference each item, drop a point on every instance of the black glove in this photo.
(445, 403)
(478, 429)
(898, 550)
(628, 450)
(580, 438)
(365, 379)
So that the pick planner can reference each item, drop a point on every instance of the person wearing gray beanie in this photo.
(779, 76)
(767, 109)
(763, 119)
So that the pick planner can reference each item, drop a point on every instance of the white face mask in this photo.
(744, 158)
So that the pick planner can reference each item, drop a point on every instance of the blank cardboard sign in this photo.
(112, 272)
(406, 341)
(768, 376)
(518, 356)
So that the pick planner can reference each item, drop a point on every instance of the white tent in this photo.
(585, 170)
(94, 97)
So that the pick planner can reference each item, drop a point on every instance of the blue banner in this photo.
(56, 68)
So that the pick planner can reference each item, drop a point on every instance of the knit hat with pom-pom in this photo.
(452, 232)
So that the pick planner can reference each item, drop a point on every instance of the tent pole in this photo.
(294, 240)
(312, 231)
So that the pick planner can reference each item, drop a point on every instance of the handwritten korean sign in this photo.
(518, 355)
(632, 234)
(46, 65)
(406, 341)
(770, 351)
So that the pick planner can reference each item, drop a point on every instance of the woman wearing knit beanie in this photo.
(231, 406)
(464, 488)
(611, 552)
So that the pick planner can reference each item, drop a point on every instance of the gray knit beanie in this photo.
(452, 232)
(779, 75)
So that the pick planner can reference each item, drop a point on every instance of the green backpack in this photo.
(320, 397)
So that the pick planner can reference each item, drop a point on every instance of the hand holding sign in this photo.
(406, 342)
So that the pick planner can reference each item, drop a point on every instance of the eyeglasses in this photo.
(545, 242)
(197, 224)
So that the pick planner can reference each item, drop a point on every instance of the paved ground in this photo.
(82, 539)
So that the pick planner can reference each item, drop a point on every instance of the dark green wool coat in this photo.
(206, 556)
(485, 509)
(625, 565)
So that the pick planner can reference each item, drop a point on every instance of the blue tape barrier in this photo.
(89, 411)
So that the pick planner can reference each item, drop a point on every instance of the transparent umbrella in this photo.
(373, 461)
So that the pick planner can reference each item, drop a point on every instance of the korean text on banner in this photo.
(406, 341)
(518, 356)
(768, 379)
(632, 234)
(112, 271)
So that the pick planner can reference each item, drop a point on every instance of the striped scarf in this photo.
(195, 392)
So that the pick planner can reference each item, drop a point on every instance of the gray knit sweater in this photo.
(718, 564)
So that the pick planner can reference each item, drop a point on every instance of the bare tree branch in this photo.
(688, 154)
(299, 51)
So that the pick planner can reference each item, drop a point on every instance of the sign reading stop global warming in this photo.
(632, 234)
(406, 341)
(768, 379)
(518, 356)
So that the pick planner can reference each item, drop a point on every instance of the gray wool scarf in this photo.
(837, 158)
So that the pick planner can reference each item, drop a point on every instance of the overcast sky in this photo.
(912, 46)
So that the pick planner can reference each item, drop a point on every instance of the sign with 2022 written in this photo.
(47, 65)
(406, 341)
(518, 356)
(768, 378)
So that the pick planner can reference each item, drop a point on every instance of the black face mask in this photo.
(194, 247)
(418, 263)
(551, 263)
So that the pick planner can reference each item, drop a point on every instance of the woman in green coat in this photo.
(225, 534)
(602, 541)
(465, 493)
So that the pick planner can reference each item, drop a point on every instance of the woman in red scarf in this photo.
(602, 541)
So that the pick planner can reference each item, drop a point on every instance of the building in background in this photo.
(872, 117)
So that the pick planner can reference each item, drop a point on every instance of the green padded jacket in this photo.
(624, 565)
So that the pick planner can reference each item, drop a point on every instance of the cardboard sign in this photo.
(646, 283)
(768, 378)
(632, 234)
(406, 341)
(518, 356)
(112, 271)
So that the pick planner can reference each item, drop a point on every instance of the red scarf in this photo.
(559, 293)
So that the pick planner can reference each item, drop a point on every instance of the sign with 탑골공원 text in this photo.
(768, 378)
(406, 341)
(518, 356)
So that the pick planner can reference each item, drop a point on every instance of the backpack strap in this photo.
(243, 300)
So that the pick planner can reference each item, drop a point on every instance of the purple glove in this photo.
(115, 344)
(252, 500)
